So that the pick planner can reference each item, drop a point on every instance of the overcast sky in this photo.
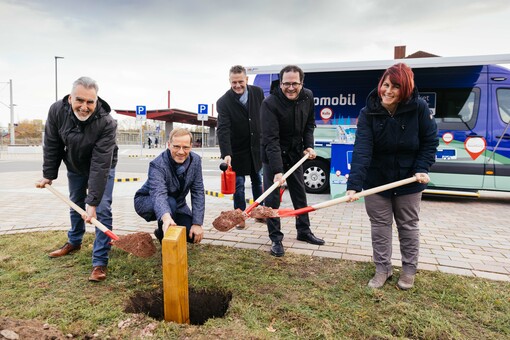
(139, 50)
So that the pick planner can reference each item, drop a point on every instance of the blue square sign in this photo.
(202, 109)
(141, 110)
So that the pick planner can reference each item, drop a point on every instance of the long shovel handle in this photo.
(347, 198)
(276, 184)
(82, 212)
(364, 193)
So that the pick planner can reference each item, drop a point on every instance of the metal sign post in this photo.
(202, 115)
(141, 116)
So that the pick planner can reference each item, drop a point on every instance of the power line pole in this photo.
(56, 77)
(11, 106)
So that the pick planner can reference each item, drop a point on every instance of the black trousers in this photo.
(296, 187)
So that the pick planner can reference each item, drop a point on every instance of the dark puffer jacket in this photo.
(287, 128)
(87, 148)
(389, 149)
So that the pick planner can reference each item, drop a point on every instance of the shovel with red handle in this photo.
(228, 220)
(291, 212)
(275, 185)
(138, 244)
(82, 212)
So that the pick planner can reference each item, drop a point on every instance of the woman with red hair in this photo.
(396, 138)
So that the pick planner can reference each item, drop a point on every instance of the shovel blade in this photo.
(138, 244)
(228, 220)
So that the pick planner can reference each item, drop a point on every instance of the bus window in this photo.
(456, 109)
(503, 96)
(466, 112)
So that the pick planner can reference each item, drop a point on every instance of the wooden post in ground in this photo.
(175, 275)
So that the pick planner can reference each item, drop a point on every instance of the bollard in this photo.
(175, 275)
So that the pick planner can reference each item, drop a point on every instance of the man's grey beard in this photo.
(82, 118)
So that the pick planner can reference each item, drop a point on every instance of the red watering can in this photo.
(228, 179)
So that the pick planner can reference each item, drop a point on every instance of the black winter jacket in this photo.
(389, 149)
(87, 148)
(239, 129)
(287, 128)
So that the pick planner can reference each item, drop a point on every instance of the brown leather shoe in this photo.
(98, 274)
(68, 248)
(241, 226)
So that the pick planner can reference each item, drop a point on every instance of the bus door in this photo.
(499, 145)
(461, 117)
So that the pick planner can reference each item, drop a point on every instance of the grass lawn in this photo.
(294, 297)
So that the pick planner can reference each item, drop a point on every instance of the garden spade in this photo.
(138, 244)
(229, 219)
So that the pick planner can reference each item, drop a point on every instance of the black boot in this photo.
(277, 249)
(158, 232)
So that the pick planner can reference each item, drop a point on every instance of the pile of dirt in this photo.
(264, 212)
(138, 244)
(28, 329)
(228, 220)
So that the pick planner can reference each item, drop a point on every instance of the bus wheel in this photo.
(316, 176)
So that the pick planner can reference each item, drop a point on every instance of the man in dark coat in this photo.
(172, 176)
(239, 133)
(81, 132)
(288, 122)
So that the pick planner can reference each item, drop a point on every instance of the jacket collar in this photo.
(279, 93)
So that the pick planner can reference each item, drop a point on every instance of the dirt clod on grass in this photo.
(138, 244)
(28, 329)
(228, 220)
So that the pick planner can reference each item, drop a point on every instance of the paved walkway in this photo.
(459, 236)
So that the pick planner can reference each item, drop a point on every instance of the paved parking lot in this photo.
(468, 237)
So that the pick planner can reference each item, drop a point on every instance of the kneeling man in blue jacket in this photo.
(172, 175)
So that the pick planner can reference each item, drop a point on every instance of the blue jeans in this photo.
(77, 193)
(256, 188)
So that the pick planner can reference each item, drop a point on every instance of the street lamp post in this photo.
(11, 108)
(56, 77)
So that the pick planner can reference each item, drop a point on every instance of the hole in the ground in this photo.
(203, 305)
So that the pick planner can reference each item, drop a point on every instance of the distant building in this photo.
(400, 53)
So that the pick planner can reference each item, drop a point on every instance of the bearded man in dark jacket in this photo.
(239, 133)
(81, 132)
(288, 122)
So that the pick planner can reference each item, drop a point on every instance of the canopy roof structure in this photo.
(173, 115)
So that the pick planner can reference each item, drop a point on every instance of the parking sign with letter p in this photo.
(141, 112)
(202, 109)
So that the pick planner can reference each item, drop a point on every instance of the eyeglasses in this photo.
(294, 85)
(178, 147)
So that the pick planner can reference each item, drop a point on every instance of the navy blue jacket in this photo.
(163, 182)
(389, 149)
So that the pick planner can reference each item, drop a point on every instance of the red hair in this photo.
(402, 75)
